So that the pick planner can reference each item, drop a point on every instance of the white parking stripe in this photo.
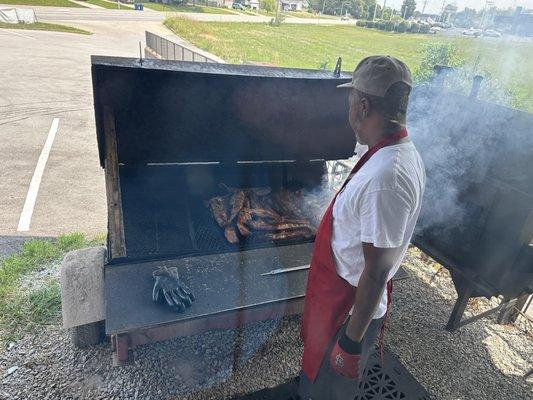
(16, 33)
(31, 197)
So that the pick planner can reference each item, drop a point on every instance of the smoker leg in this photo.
(463, 295)
(510, 313)
(121, 350)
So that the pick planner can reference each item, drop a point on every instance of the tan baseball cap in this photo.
(374, 75)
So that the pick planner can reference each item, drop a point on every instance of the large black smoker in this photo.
(170, 132)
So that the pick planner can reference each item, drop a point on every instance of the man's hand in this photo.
(345, 357)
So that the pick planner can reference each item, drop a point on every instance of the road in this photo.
(56, 14)
(46, 75)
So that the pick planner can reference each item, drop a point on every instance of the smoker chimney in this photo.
(440, 75)
(476, 83)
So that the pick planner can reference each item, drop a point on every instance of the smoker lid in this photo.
(170, 111)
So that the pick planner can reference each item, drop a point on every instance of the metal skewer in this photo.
(284, 270)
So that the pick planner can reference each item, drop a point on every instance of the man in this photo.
(363, 235)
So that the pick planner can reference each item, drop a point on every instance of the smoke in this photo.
(469, 147)
(316, 200)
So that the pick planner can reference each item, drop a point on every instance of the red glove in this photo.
(345, 357)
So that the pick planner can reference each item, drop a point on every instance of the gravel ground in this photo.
(480, 361)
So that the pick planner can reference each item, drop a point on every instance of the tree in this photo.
(408, 8)
(370, 5)
(387, 13)
(466, 18)
(268, 5)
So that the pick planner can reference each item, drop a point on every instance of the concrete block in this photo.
(82, 287)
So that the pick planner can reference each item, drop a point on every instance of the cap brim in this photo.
(346, 85)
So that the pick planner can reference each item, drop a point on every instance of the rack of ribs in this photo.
(274, 216)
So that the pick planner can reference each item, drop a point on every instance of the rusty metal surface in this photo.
(230, 319)
(220, 282)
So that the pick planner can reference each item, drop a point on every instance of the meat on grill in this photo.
(260, 212)
(231, 234)
(219, 209)
(284, 235)
(237, 203)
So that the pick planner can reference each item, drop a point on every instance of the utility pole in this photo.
(375, 9)
(323, 5)
(424, 6)
(442, 11)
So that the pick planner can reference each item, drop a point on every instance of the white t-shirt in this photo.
(380, 205)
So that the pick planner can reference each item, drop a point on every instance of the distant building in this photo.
(520, 23)
(222, 3)
(294, 5)
(448, 14)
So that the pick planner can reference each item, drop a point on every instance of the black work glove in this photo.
(169, 288)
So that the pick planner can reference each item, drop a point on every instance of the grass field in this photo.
(108, 4)
(49, 3)
(185, 9)
(30, 294)
(312, 46)
(43, 26)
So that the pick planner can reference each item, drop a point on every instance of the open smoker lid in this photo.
(169, 111)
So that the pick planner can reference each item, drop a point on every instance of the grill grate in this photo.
(156, 226)
(209, 237)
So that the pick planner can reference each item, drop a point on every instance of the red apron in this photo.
(329, 297)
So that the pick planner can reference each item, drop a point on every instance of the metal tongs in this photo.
(284, 270)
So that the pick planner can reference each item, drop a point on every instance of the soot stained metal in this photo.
(169, 134)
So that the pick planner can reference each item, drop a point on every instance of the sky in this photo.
(435, 6)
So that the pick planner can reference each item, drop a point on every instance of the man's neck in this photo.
(375, 139)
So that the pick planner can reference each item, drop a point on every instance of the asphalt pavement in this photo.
(61, 14)
(46, 75)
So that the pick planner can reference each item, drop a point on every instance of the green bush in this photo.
(425, 28)
(402, 27)
(390, 25)
(415, 28)
(436, 53)
(360, 22)
(381, 25)
(268, 5)
(370, 24)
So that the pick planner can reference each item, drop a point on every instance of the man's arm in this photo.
(378, 263)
